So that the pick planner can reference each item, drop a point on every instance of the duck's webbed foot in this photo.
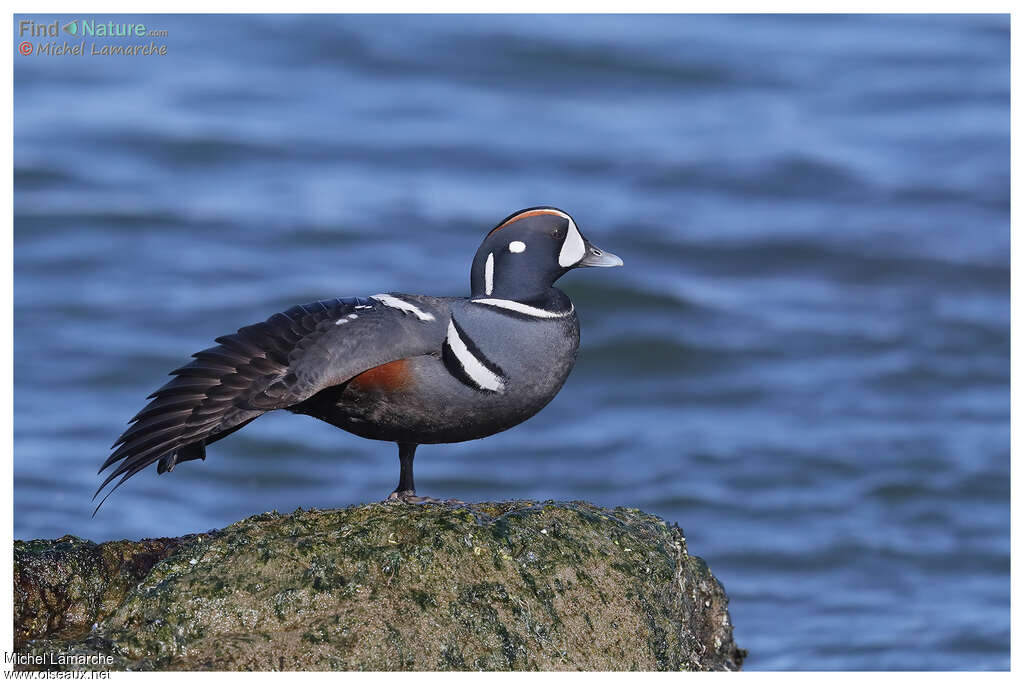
(410, 497)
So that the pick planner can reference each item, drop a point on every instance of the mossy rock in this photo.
(490, 586)
(62, 587)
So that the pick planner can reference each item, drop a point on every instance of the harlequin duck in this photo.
(409, 369)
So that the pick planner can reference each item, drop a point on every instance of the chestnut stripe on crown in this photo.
(527, 214)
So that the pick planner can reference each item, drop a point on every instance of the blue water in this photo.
(805, 361)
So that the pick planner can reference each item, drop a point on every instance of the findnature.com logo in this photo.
(88, 28)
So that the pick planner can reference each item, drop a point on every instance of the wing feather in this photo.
(269, 365)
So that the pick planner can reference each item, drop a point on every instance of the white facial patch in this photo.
(395, 303)
(514, 306)
(489, 274)
(484, 378)
(573, 248)
(515, 247)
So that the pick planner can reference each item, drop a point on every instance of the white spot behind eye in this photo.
(516, 246)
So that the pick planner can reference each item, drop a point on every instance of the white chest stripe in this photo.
(395, 303)
(489, 274)
(477, 372)
(524, 308)
(573, 248)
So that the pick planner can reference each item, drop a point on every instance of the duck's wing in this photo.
(272, 365)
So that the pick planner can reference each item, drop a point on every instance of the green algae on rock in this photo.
(62, 587)
(489, 586)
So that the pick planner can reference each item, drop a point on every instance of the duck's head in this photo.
(522, 257)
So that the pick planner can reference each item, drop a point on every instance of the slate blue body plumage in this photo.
(411, 369)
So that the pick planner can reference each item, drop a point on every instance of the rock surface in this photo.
(492, 586)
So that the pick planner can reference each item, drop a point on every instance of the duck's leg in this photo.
(406, 490)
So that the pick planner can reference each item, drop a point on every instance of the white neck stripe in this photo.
(484, 378)
(489, 274)
(395, 303)
(524, 308)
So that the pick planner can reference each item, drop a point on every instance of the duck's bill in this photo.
(595, 256)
